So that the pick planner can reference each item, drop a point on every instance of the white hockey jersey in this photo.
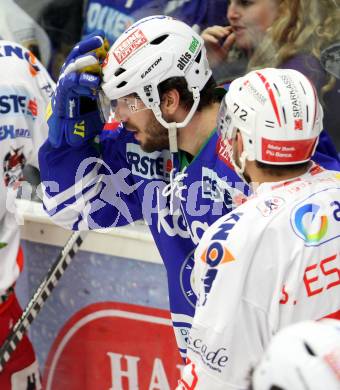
(273, 261)
(25, 89)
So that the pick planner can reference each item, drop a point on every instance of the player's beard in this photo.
(155, 137)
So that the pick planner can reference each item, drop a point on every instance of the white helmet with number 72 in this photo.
(278, 114)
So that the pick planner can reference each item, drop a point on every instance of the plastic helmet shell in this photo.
(302, 356)
(152, 50)
(278, 114)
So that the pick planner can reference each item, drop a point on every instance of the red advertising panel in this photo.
(114, 346)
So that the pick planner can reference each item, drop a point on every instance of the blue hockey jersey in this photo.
(85, 193)
(118, 183)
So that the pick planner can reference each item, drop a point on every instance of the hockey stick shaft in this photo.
(40, 296)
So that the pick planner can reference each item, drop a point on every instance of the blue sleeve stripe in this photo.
(78, 202)
(68, 213)
(181, 325)
(50, 188)
(181, 319)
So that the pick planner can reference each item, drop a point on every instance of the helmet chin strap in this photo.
(175, 186)
(172, 132)
(173, 126)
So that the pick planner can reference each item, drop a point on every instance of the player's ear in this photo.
(239, 141)
(170, 102)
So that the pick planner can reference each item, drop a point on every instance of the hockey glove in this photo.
(73, 115)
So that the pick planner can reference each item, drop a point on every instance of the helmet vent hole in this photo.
(307, 113)
(159, 40)
(198, 57)
(119, 71)
(120, 85)
(309, 349)
(284, 114)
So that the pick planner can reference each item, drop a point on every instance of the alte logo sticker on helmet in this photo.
(130, 44)
(151, 67)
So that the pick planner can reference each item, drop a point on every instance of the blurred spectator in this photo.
(66, 21)
(330, 59)
(16, 25)
(302, 356)
(281, 33)
(114, 16)
(62, 20)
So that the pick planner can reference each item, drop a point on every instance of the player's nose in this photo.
(121, 114)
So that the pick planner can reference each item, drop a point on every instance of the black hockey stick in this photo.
(40, 296)
(330, 59)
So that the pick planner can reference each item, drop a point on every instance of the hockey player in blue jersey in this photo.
(165, 163)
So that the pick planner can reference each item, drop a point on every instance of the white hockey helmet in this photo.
(302, 356)
(152, 50)
(278, 114)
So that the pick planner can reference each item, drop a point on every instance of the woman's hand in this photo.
(218, 42)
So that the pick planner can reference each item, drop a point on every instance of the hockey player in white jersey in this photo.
(25, 89)
(275, 260)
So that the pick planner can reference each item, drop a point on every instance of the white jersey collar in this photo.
(270, 186)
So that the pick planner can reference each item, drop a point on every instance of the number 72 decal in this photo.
(241, 113)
